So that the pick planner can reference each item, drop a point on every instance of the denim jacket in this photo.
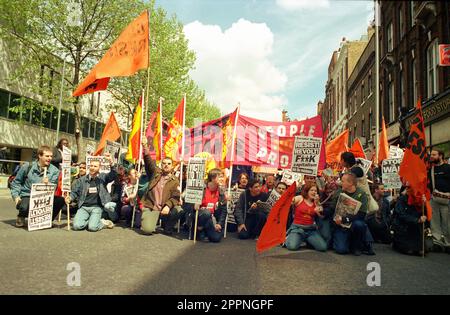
(82, 186)
(21, 185)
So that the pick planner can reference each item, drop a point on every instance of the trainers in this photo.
(20, 222)
(109, 224)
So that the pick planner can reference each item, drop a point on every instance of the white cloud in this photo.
(233, 66)
(294, 5)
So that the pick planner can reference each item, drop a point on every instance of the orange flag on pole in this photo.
(383, 146)
(134, 141)
(413, 168)
(274, 231)
(336, 147)
(111, 133)
(128, 54)
(172, 146)
(357, 149)
(157, 136)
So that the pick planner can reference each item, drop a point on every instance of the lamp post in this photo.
(60, 100)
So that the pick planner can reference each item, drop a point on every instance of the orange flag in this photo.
(128, 54)
(357, 149)
(157, 136)
(274, 231)
(134, 141)
(336, 147)
(227, 137)
(413, 168)
(383, 146)
(111, 133)
(172, 146)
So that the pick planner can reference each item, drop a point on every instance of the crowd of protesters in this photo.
(153, 202)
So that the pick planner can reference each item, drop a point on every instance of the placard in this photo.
(389, 175)
(105, 166)
(66, 178)
(195, 181)
(231, 205)
(41, 206)
(306, 155)
(113, 148)
(66, 156)
(290, 177)
(364, 164)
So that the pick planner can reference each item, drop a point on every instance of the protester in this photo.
(249, 217)
(242, 183)
(304, 228)
(132, 200)
(92, 195)
(162, 197)
(348, 161)
(58, 152)
(33, 173)
(269, 184)
(439, 179)
(407, 225)
(379, 222)
(357, 238)
(325, 222)
(281, 188)
(116, 194)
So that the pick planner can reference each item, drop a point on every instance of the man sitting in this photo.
(33, 173)
(92, 195)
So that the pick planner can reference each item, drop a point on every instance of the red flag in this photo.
(111, 133)
(335, 148)
(274, 231)
(157, 137)
(172, 145)
(357, 149)
(128, 54)
(383, 146)
(413, 168)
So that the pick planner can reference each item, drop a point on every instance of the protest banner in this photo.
(41, 206)
(364, 164)
(389, 175)
(195, 182)
(66, 156)
(345, 206)
(113, 148)
(290, 177)
(105, 166)
(306, 155)
(66, 178)
(395, 152)
(231, 206)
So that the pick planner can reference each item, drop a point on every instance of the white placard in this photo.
(306, 155)
(113, 148)
(364, 164)
(41, 206)
(389, 175)
(395, 152)
(290, 177)
(66, 156)
(66, 178)
(195, 181)
(105, 166)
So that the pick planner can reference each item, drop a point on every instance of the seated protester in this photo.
(304, 227)
(33, 173)
(92, 195)
(325, 223)
(269, 185)
(379, 222)
(249, 218)
(213, 209)
(162, 197)
(116, 194)
(242, 183)
(348, 161)
(357, 238)
(407, 223)
(131, 201)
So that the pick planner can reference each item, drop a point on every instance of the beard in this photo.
(437, 161)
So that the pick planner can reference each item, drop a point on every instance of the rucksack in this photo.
(12, 177)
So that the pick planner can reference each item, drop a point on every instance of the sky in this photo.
(267, 55)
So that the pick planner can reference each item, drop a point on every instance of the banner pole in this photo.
(68, 212)
(423, 230)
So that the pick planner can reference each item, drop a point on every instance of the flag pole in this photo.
(182, 146)
(160, 128)
(377, 80)
(423, 230)
(148, 69)
(231, 167)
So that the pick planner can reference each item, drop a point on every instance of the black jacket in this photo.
(241, 210)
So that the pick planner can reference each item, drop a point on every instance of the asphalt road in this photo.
(122, 261)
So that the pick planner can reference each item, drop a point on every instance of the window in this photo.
(4, 101)
(391, 105)
(54, 121)
(47, 117)
(401, 22)
(390, 37)
(369, 82)
(71, 123)
(99, 130)
(85, 127)
(14, 101)
(363, 127)
(98, 104)
(414, 85)
(36, 118)
(63, 121)
(92, 129)
(362, 93)
(402, 91)
(370, 122)
(432, 66)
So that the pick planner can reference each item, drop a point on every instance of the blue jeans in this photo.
(357, 237)
(205, 221)
(90, 217)
(127, 213)
(254, 222)
(110, 209)
(298, 234)
(325, 229)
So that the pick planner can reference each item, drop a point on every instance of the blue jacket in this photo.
(21, 185)
(80, 190)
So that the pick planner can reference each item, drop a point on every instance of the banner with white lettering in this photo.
(195, 182)
(306, 155)
(113, 148)
(290, 177)
(105, 166)
(390, 177)
(41, 206)
(235, 194)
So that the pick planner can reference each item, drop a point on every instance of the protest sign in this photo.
(41, 206)
(105, 166)
(66, 156)
(290, 177)
(364, 164)
(235, 194)
(390, 177)
(89, 149)
(195, 181)
(66, 178)
(113, 148)
(395, 152)
(345, 206)
(306, 155)
(267, 205)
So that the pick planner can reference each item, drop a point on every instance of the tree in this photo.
(80, 32)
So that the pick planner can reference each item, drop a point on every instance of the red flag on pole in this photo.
(172, 145)
(357, 149)
(383, 150)
(134, 141)
(111, 133)
(274, 231)
(336, 147)
(413, 168)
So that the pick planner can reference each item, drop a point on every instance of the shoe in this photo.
(357, 253)
(20, 222)
(109, 224)
(369, 252)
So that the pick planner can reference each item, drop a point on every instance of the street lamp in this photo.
(60, 99)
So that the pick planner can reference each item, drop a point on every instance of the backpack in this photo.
(372, 204)
(13, 176)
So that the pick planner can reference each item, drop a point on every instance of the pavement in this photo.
(123, 261)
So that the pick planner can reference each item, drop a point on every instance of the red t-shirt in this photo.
(304, 214)
(210, 200)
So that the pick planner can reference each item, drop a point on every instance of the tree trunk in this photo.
(76, 105)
